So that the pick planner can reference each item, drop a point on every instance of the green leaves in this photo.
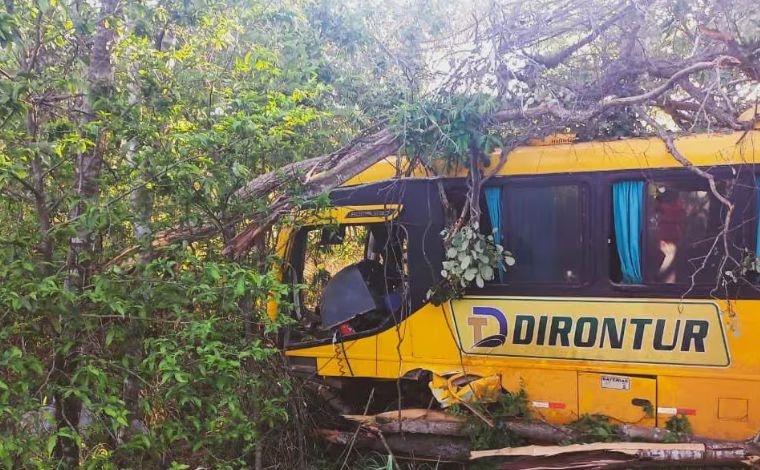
(448, 128)
(471, 258)
(205, 97)
(203, 371)
(8, 28)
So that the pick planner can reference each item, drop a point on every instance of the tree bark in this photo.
(82, 245)
(413, 421)
(423, 421)
(422, 447)
(141, 201)
(39, 192)
(322, 175)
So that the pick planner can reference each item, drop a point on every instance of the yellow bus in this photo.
(623, 300)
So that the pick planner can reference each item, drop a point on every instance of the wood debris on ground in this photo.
(436, 435)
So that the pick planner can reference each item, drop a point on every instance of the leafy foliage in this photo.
(471, 258)
(680, 428)
(596, 428)
(509, 405)
(448, 129)
(171, 354)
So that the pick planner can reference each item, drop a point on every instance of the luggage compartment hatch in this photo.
(624, 398)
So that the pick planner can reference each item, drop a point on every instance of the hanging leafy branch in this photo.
(471, 258)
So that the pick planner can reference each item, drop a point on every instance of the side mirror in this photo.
(332, 235)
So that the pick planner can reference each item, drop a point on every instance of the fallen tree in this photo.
(437, 435)
(538, 54)
(421, 447)
(423, 421)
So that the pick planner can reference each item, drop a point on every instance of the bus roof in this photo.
(626, 154)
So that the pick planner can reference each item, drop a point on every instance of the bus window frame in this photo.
(300, 248)
(599, 215)
(585, 273)
(741, 230)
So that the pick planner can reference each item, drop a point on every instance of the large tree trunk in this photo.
(82, 245)
(436, 434)
(423, 421)
(141, 201)
(417, 446)
(317, 176)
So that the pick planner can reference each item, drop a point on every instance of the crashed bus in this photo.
(619, 303)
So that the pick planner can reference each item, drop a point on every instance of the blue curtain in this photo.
(493, 201)
(628, 205)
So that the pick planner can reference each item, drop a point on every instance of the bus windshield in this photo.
(352, 277)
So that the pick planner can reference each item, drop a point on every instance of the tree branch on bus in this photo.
(723, 235)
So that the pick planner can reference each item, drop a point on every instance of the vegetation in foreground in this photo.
(133, 137)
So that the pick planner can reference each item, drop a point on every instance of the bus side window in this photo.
(682, 221)
(543, 228)
(664, 231)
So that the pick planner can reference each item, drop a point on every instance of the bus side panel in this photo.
(349, 358)
(719, 402)
(720, 409)
(392, 343)
(552, 394)
(742, 324)
(426, 342)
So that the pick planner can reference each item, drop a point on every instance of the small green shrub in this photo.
(679, 427)
(596, 428)
(484, 436)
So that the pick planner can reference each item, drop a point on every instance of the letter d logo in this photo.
(479, 320)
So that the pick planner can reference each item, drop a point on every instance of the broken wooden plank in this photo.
(690, 451)
(598, 459)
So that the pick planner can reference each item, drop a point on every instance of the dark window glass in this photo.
(683, 220)
(543, 230)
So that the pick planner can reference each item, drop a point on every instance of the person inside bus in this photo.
(670, 213)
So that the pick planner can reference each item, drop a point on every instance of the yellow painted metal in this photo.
(733, 409)
(284, 238)
(431, 343)
(633, 154)
(386, 168)
(460, 387)
(621, 330)
(625, 399)
(354, 214)
(627, 154)
(712, 387)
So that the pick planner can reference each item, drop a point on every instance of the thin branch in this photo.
(564, 114)
(561, 56)
(686, 163)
